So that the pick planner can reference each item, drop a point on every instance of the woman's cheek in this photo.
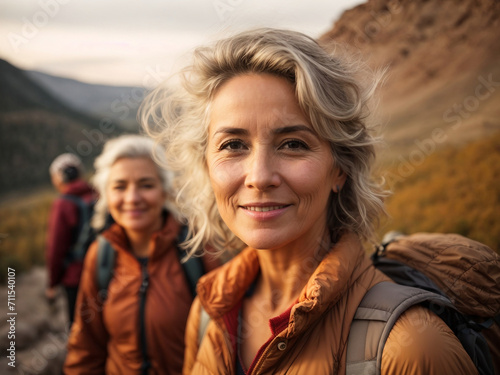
(225, 175)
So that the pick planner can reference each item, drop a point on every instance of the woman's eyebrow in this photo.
(282, 130)
(293, 129)
(229, 130)
(117, 181)
(124, 180)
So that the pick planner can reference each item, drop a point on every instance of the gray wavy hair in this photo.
(327, 89)
(66, 160)
(128, 146)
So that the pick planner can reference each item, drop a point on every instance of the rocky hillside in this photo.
(443, 60)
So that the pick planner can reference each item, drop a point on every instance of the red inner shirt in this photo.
(276, 324)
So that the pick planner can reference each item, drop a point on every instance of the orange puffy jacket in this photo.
(314, 340)
(104, 338)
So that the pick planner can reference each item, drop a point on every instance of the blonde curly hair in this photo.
(327, 89)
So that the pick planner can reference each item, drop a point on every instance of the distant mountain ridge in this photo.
(119, 103)
(34, 96)
(35, 127)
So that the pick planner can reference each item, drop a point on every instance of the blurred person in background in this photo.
(268, 134)
(137, 325)
(65, 222)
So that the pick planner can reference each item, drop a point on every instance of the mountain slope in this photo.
(19, 92)
(35, 127)
(444, 67)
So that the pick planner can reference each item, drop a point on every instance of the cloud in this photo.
(137, 33)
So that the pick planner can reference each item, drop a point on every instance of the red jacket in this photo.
(104, 338)
(63, 222)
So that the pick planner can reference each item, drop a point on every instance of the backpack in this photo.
(84, 233)
(455, 277)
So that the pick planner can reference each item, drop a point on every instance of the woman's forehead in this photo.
(260, 99)
(140, 167)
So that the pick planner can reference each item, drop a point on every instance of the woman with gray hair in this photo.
(136, 325)
(65, 221)
(268, 136)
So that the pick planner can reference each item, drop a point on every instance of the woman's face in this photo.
(271, 174)
(135, 194)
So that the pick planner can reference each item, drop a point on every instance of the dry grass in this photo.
(456, 190)
(23, 228)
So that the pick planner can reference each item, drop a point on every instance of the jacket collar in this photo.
(161, 241)
(219, 292)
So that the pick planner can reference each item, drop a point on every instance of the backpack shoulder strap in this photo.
(80, 203)
(76, 250)
(105, 265)
(73, 198)
(377, 313)
(193, 267)
(204, 320)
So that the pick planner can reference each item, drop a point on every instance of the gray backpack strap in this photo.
(105, 265)
(204, 320)
(377, 313)
(78, 248)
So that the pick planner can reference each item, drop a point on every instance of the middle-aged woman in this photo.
(268, 133)
(139, 327)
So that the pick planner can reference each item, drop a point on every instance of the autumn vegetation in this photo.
(454, 190)
(23, 229)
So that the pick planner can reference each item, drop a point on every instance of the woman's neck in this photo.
(285, 272)
(140, 240)
(139, 243)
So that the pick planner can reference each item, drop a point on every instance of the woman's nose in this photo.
(132, 194)
(262, 171)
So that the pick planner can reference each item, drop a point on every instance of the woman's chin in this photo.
(268, 243)
(137, 227)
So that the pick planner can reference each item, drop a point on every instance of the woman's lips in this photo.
(264, 211)
(134, 213)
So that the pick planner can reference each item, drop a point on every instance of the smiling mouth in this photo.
(134, 211)
(263, 209)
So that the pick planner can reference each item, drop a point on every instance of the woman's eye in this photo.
(232, 145)
(294, 144)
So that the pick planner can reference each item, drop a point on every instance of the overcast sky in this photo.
(137, 41)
